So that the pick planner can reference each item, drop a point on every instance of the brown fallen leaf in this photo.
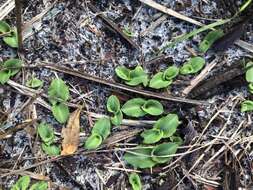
(70, 134)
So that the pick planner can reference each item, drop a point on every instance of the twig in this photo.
(121, 86)
(18, 6)
(171, 12)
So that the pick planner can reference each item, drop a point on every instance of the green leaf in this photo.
(60, 112)
(12, 39)
(113, 104)
(135, 181)
(194, 33)
(117, 118)
(58, 90)
(4, 27)
(46, 133)
(210, 38)
(102, 127)
(138, 76)
(22, 183)
(161, 153)
(34, 83)
(140, 158)
(170, 73)
(157, 82)
(123, 73)
(133, 107)
(93, 141)
(245, 5)
(153, 107)
(168, 125)
(246, 106)
(42, 185)
(13, 65)
(194, 65)
(250, 86)
(176, 139)
(4, 76)
(151, 136)
(249, 72)
(51, 150)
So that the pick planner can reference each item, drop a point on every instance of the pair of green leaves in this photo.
(165, 127)
(209, 39)
(58, 93)
(24, 182)
(133, 77)
(138, 107)
(147, 157)
(46, 134)
(10, 34)
(135, 181)
(34, 83)
(100, 131)
(193, 66)
(164, 79)
(113, 106)
(8, 69)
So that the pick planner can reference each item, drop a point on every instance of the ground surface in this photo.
(72, 35)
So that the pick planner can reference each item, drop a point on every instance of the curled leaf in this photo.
(138, 76)
(153, 107)
(34, 83)
(117, 118)
(194, 65)
(168, 125)
(151, 136)
(4, 27)
(210, 38)
(161, 153)
(135, 181)
(246, 106)
(93, 141)
(140, 158)
(42, 185)
(46, 133)
(133, 107)
(102, 127)
(12, 39)
(113, 104)
(170, 73)
(13, 65)
(158, 82)
(123, 73)
(249, 72)
(51, 150)
(5, 75)
(60, 112)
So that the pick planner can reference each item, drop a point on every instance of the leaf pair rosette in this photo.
(9, 34)
(113, 106)
(139, 107)
(58, 93)
(46, 133)
(147, 157)
(100, 131)
(8, 69)
(133, 77)
(164, 79)
(24, 182)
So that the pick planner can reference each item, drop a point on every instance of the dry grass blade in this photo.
(6, 8)
(245, 45)
(70, 134)
(171, 12)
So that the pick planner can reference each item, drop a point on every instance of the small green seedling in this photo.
(58, 93)
(164, 79)
(100, 131)
(210, 38)
(161, 153)
(127, 31)
(135, 181)
(113, 106)
(193, 66)
(133, 77)
(34, 83)
(9, 34)
(23, 184)
(247, 106)
(138, 107)
(9, 68)
(152, 136)
(46, 133)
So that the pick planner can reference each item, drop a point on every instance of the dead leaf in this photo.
(70, 134)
